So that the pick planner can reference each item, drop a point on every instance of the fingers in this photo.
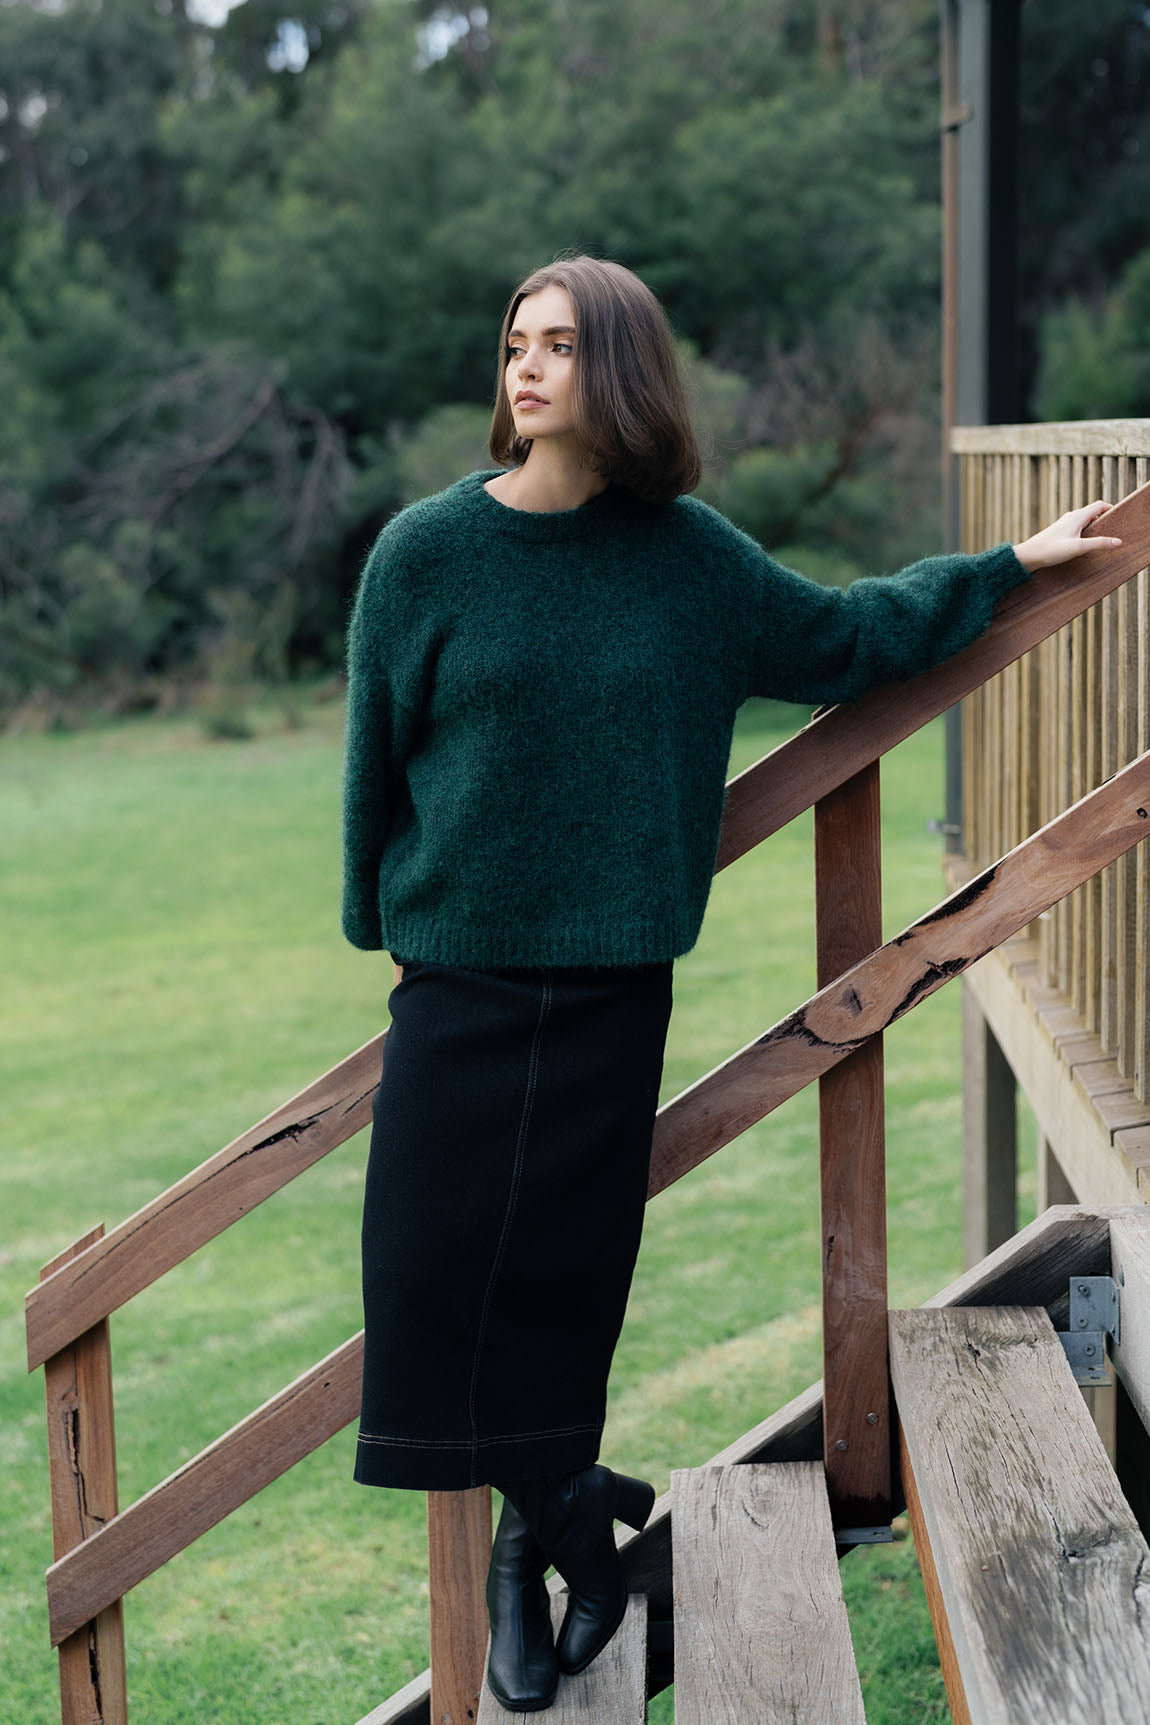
(1081, 519)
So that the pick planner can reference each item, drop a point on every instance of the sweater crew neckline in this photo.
(544, 524)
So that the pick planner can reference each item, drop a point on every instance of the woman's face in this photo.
(540, 362)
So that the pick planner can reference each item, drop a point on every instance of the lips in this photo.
(528, 398)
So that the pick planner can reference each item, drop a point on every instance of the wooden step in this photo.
(1035, 1568)
(612, 1691)
(761, 1632)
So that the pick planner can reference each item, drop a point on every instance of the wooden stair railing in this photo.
(841, 741)
(830, 764)
(749, 1085)
(1064, 717)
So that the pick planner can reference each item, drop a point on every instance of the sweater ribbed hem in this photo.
(495, 948)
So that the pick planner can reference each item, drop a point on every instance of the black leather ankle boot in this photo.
(572, 1516)
(522, 1670)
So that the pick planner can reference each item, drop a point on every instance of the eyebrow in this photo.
(556, 329)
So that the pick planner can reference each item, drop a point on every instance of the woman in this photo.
(545, 666)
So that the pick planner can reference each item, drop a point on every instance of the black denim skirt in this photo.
(504, 1205)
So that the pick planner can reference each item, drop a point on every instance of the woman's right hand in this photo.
(1063, 539)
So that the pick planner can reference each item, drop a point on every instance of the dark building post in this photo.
(980, 86)
(980, 60)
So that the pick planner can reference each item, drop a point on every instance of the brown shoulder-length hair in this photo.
(627, 394)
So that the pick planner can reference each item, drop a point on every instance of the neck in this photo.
(551, 478)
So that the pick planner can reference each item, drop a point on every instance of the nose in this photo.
(528, 366)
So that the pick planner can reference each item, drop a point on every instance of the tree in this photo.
(250, 276)
(130, 467)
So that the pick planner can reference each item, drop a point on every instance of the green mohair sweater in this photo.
(540, 711)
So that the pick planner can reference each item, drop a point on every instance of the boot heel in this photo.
(634, 1501)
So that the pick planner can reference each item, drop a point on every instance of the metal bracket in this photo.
(1086, 1351)
(1094, 1305)
(863, 1536)
(1094, 1315)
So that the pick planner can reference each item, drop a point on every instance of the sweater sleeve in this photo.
(382, 673)
(817, 644)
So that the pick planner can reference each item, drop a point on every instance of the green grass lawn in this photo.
(173, 969)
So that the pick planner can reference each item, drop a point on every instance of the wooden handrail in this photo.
(800, 772)
(843, 740)
(860, 1004)
(1099, 437)
(201, 1205)
(882, 988)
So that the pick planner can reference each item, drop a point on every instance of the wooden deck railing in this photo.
(835, 1037)
(1065, 717)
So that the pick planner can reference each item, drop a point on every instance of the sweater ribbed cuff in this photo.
(1002, 569)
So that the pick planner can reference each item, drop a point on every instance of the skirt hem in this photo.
(384, 1462)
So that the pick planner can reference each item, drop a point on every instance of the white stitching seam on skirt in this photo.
(509, 1214)
(466, 1443)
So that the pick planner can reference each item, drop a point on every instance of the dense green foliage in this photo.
(1085, 172)
(251, 272)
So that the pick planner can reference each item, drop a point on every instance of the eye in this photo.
(515, 349)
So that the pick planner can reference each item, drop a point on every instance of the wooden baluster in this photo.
(82, 1474)
(1080, 653)
(970, 837)
(1110, 731)
(856, 1395)
(1012, 705)
(1127, 721)
(1089, 977)
(1064, 783)
(1141, 1060)
(1029, 817)
(1050, 656)
(1090, 985)
(458, 1554)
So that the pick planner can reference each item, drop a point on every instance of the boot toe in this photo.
(522, 1668)
(523, 1688)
